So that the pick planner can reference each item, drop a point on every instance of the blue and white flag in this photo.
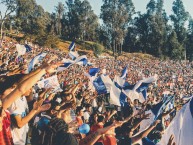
(140, 87)
(102, 84)
(73, 55)
(117, 96)
(155, 112)
(181, 127)
(72, 46)
(22, 49)
(160, 107)
(51, 82)
(67, 63)
(124, 72)
(82, 60)
(28, 48)
(93, 71)
(35, 60)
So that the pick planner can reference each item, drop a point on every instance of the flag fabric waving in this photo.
(93, 71)
(124, 72)
(51, 82)
(22, 49)
(35, 60)
(73, 54)
(67, 63)
(102, 84)
(82, 60)
(181, 126)
(72, 46)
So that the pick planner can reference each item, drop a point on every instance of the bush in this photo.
(48, 41)
(98, 49)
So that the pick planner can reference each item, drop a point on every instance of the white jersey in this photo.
(19, 107)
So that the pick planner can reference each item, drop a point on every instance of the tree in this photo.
(11, 6)
(179, 18)
(175, 48)
(116, 15)
(189, 45)
(60, 13)
(151, 7)
(81, 20)
(32, 19)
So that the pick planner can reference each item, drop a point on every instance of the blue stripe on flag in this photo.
(93, 71)
(122, 98)
(124, 72)
(84, 61)
(66, 64)
(161, 106)
(100, 86)
(72, 46)
(191, 107)
(28, 48)
(118, 86)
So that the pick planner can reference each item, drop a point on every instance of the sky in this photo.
(140, 5)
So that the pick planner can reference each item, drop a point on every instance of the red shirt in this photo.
(109, 140)
(5, 133)
(94, 128)
(79, 121)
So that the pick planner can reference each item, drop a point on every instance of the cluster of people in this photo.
(77, 114)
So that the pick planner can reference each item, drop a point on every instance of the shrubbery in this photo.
(98, 49)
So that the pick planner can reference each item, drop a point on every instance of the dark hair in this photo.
(9, 81)
(100, 118)
(108, 124)
(78, 109)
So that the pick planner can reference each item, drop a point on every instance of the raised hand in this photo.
(170, 142)
(146, 116)
(44, 107)
(156, 123)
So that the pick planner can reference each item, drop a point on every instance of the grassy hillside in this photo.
(86, 47)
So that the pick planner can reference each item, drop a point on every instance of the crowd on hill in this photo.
(78, 115)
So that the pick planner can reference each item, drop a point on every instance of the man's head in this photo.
(79, 111)
(100, 119)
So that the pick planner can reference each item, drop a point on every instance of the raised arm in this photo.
(145, 132)
(22, 88)
(26, 85)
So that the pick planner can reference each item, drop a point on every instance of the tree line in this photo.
(122, 28)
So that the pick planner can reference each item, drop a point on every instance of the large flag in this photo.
(124, 72)
(67, 63)
(117, 96)
(72, 46)
(181, 127)
(140, 87)
(51, 82)
(35, 60)
(92, 76)
(161, 106)
(82, 60)
(22, 49)
(73, 55)
(102, 84)
(155, 112)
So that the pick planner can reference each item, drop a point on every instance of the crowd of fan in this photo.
(37, 116)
